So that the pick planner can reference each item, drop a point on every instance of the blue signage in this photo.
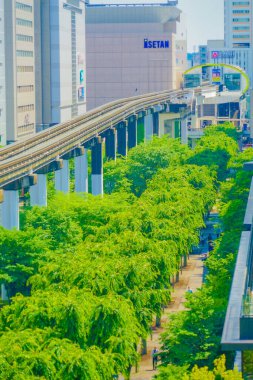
(156, 44)
(81, 76)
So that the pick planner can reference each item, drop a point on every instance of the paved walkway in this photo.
(191, 276)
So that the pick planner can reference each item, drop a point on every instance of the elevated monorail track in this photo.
(24, 157)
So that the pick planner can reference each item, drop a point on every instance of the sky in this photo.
(205, 21)
(205, 18)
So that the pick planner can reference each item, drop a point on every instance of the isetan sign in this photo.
(156, 44)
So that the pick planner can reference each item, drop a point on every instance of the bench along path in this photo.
(191, 276)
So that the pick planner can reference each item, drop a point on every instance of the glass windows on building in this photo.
(24, 22)
(24, 53)
(24, 37)
(241, 19)
(25, 69)
(28, 88)
(24, 7)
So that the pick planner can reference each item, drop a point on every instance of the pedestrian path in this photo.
(191, 276)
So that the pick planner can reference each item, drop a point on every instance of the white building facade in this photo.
(60, 59)
(2, 78)
(19, 69)
(133, 50)
(238, 23)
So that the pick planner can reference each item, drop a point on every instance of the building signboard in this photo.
(222, 54)
(160, 44)
(216, 76)
(192, 80)
(232, 81)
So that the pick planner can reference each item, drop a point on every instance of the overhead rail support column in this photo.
(62, 178)
(81, 172)
(38, 192)
(148, 126)
(184, 131)
(132, 131)
(10, 205)
(97, 167)
(122, 138)
(110, 144)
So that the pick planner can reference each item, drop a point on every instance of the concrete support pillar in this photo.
(110, 144)
(148, 127)
(38, 192)
(62, 178)
(97, 167)
(156, 129)
(132, 132)
(184, 131)
(4, 294)
(81, 173)
(10, 209)
(122, 138)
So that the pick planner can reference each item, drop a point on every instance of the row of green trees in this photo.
(86, 275)
(193, 337)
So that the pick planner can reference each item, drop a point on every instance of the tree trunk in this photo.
(144, 346)
(158, 321)
(185, 260)
(177, 277)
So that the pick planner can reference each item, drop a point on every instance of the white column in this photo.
(38, 192)
(148, 127)
(184, 131)
(4, 295)
(62, 178)
(81, 173)
(10, 210)
(97, 184)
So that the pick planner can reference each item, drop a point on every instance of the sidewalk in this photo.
(191, 276)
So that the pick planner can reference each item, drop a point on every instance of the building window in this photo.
(241, 36)
(24, 37)
(24, 53)
(24, 7)
(241, 19)
(240, 2)
(241, 28)
(241, 11)
(28, 88)
(24, 22)
(25, 69)
(27, 107)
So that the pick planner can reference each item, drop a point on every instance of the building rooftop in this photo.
(132, 13)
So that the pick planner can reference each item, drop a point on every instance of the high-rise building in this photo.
(60, 60)
(19, 68)
(133, 49)
(2, 79)
(238, 23)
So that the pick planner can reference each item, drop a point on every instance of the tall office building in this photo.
(19, 68)
(238, 23)
(60, 60)
(2, 79)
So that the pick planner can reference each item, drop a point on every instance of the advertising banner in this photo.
(216, 76)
